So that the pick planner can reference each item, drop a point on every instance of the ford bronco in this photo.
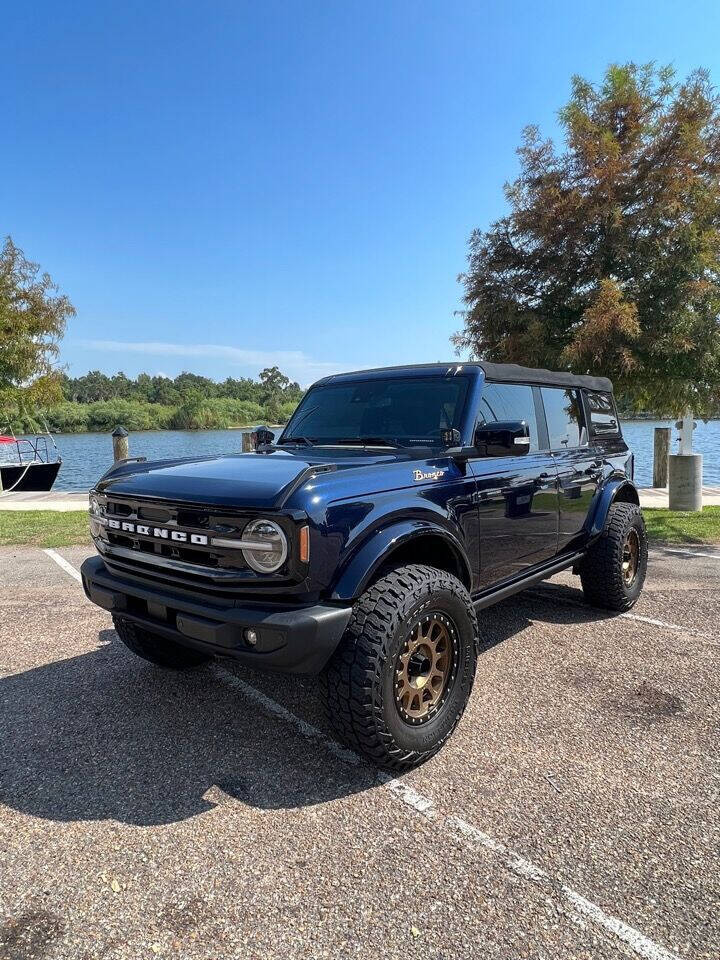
(362, 542)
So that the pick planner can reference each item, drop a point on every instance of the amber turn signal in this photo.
(304, 551)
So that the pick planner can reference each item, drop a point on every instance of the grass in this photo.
(51, 528)
(43, 528)
(669, 526)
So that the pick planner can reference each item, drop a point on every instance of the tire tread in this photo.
(600, 570)
(355, 670)
(156, 649)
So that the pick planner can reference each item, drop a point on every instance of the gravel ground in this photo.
(145, 814)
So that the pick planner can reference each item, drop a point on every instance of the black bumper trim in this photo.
(289, 639)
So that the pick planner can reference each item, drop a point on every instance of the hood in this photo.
(242, 480)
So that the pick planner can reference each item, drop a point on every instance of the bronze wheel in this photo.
(425, 668)
(401, 678)
(630, 556)
(614, 566)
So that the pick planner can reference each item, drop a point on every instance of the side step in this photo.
(496, 594)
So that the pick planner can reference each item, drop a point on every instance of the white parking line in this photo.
(454, 826)
(62, 562)
(549, 597)
(465, 832)
(638, 942)
(692, 553)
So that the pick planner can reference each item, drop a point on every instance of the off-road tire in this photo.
(158, 650)
(358, 683)
(601, 570)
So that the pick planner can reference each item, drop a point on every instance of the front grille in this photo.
(160, 549)
(192, 563)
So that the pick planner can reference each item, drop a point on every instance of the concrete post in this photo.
(686, 427)
(660, 456)
(121, 445)
(685, 475)
(685, 470)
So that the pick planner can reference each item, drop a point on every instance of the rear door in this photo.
(517, 496)
(579, 464)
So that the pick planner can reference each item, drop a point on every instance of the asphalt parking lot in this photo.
(574, 814)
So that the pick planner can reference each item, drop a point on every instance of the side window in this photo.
(563, 412)
(509, 401)
(603, 418)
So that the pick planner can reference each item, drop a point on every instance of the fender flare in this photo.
(362, 564)
(606, 496)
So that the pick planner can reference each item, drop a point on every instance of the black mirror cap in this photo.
(263, 437)
(504, 438)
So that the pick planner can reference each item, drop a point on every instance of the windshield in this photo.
(398, 411)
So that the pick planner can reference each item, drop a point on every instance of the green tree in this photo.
(609, 259)
(273, 384)
(33, 316)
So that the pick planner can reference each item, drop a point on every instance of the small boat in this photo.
(27, 463)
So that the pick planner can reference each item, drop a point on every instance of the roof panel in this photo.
(502, 372)
(512, 372)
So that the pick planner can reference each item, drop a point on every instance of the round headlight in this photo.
(265, 547)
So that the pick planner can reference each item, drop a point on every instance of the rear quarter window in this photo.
(603, 415)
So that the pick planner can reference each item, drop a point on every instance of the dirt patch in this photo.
(646, 702)
(29, 936)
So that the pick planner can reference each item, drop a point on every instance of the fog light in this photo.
(251, 637)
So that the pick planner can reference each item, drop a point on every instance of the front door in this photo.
(517, 496)
(578, 465)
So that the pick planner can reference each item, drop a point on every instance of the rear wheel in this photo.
(158, 650)
(400, 680)
(613, 571)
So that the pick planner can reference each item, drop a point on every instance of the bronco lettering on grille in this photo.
(159, 533)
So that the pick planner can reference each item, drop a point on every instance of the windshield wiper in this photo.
(297, 441)
(370, 442)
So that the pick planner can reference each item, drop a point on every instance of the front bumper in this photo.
(289, 639)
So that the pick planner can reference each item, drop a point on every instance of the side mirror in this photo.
(263, 436)
(505, 438)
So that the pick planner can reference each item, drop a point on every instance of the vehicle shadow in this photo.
(560, 603)
(105, 735)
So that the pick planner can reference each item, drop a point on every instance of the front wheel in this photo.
(613, 570)
(400, 680)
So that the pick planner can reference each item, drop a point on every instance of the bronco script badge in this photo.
(429, 475)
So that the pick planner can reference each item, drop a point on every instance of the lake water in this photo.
(86, 456)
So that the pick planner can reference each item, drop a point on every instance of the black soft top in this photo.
(501, 372)
(513, 373)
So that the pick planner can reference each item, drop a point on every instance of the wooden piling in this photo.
(248, 441)
(121, 444)
(661, 453)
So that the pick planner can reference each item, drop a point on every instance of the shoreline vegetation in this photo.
(97, 403)
(50, 528)
(103, 416)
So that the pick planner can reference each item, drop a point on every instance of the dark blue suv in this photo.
(361, 542)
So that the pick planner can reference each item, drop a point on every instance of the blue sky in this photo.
(224, 186)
